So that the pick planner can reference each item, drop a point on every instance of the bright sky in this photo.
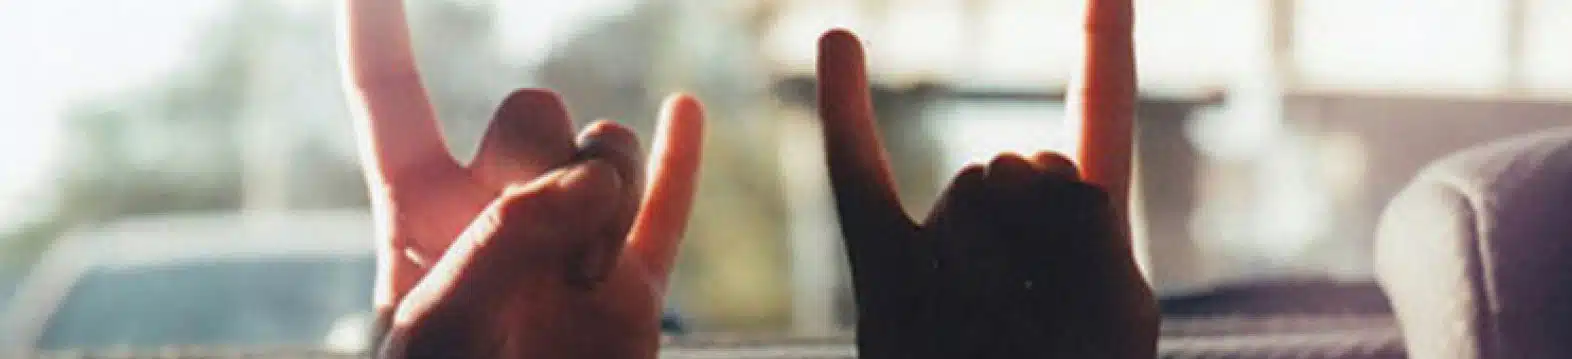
(528, 28)
(54, 51)
(57, 50)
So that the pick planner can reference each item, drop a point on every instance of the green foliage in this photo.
(178, 144)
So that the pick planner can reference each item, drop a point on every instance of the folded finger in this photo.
(1055, 164)
(618, 146)
(530, 134)
(541, 232)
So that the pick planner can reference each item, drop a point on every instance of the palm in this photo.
(543, 241)
(430, 215)
(1016, 257)
(1020, 258)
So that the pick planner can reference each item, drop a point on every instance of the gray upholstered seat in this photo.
(1476, 253)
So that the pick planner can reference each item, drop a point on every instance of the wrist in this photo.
(442, 330)
(451, 313)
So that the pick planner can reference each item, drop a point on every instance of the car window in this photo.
(244, 303)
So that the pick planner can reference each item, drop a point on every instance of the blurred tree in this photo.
(255, 119)
(256, 113)
(732, 273)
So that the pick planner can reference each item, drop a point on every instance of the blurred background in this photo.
(191, 161)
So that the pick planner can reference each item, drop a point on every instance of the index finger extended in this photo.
(859, 173)
(394, 121)
(1102, 97)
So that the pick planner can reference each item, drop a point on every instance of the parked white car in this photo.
(300, 279)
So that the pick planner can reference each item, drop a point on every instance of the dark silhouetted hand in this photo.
(1020, 258)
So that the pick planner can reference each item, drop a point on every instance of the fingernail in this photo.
(1010, 170)
(1055, 164)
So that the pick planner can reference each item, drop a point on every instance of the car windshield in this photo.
(244, 303)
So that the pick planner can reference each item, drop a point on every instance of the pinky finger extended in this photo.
(672, 175)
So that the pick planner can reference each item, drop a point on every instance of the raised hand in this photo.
(1020, 258)
(543, 245)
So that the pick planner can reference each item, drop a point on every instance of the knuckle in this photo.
(521, 205)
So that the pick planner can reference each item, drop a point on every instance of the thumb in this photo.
(547, 232)
(563, 220)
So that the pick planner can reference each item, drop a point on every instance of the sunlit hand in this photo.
(1021, 258)
(542, 246)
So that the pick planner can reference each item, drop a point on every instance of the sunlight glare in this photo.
(73, 49)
